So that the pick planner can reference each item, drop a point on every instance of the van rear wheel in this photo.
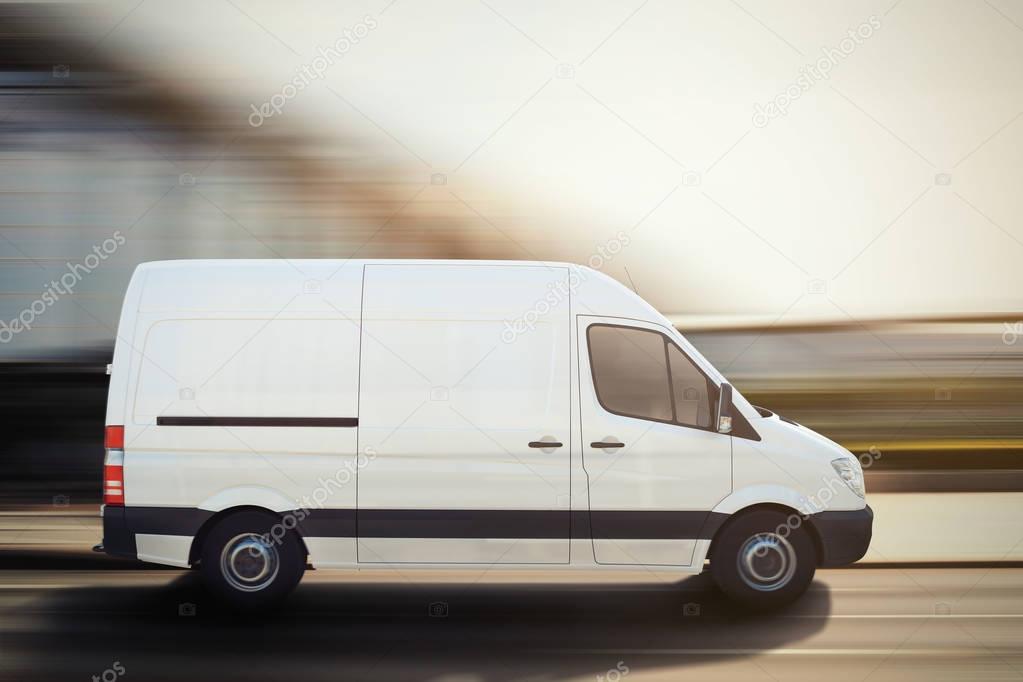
(250, 561)
(762, 560)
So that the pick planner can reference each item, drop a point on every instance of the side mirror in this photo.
(725, 409)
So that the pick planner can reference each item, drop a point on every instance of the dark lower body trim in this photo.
(120, 524)
(844, 535)
(536, 524)
(118, 540)
(655, 525)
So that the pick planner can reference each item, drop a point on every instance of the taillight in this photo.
(113, 467)
(114, 438)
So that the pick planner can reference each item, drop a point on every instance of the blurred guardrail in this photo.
(935, 405)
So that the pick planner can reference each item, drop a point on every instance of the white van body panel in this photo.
(248, 495)
(274, 342)
(334, 552)
(760, 494)
(450, 400)
(789, 467)
(386, 409)
(125, 353)
(171, 550)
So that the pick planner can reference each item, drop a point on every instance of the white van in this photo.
(268, 414)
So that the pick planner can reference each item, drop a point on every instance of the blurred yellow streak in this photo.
(938, 444)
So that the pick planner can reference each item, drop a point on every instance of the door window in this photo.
(691, 388)
(630, 371)
(641, 373)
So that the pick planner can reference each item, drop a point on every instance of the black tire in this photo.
(250, 561)
(764, 559)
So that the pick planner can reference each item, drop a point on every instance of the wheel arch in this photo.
(195, 551)
(804, 521)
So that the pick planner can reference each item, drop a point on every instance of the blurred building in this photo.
(101, 161)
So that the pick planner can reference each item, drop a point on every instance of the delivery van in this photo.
(266, 416)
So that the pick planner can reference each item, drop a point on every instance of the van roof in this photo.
(595, 292)
(274, 262)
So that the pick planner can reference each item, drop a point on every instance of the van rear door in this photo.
(464, 414)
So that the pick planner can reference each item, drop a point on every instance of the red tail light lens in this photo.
(114, 438)
(113, 467)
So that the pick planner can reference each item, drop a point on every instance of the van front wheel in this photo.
(762, 561)
(247, 564)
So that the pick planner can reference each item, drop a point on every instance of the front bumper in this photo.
(117, 539)
(844, 535)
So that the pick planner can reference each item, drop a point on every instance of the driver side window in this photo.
(691, 388)
(640, 373)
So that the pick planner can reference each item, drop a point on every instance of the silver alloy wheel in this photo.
(766, 562)
(248, 563)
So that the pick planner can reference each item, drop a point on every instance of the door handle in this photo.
(606, 445)
(545, 444)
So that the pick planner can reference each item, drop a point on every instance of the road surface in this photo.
(67, 615)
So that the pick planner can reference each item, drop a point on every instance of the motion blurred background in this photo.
(825, 202)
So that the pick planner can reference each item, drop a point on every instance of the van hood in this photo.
(828, 447)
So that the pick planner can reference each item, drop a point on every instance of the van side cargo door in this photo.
(464, 414)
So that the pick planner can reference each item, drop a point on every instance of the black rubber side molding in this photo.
(436, 523)
(258, 421)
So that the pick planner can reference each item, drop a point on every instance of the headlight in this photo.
(848, 469)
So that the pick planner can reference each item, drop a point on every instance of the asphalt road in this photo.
(66, 616)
